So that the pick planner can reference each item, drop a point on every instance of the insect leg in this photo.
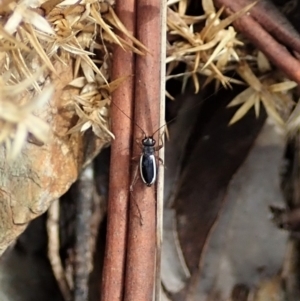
(161, 142)
(138, 209)
(138, 142)
(135, 177)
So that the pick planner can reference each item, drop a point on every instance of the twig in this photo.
(114, 263)
(139, 282)
(83, 196)
(53, 250)
(270, 18)
(160, 183)
(255, 32)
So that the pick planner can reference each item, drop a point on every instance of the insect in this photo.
(148, 166)
(148, 160)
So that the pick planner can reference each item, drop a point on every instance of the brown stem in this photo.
(276, 52)
(140, 265)
(268, 16)
(117, 223)
(83, 196)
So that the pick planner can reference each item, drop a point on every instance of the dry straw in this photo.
(34, 35)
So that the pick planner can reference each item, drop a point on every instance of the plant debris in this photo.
(34, 36)
(208, 45)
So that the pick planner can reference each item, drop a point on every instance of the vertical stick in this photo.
(160, 182)
(83, 195)
(121, 161)
(139, 282)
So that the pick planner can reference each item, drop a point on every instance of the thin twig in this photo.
(53, 250)
(140, 265)
(160, 183)
(121, 160)
(263, 40)
(269, 16)
(83, 195)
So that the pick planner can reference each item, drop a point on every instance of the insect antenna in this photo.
(129, 118)
(215, 92)
(173, 117)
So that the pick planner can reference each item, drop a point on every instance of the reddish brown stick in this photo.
(276, 52)
(121, 161)
(140, 265)
(268, 15)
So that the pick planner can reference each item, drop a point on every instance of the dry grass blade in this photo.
(264, 90)
(112, 86)
(226, 22)
(242, 97)
(22, 67)
(281, 87)
(49, 5)
(270, 107)
(212, 20)
(242, 111)
(262, 63)
(18, 121)
(95, 14)
(39, 22)
(6, 37)
(208, 7)
(293, 123)
(176, 24)
(14, 90)
(113, 19)
(72, 31)
(78, 82)
(38, 47)
(126, 45)
(246, 73)
(182, 7)
(228, 36)
(212, 50)
(68, 32)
